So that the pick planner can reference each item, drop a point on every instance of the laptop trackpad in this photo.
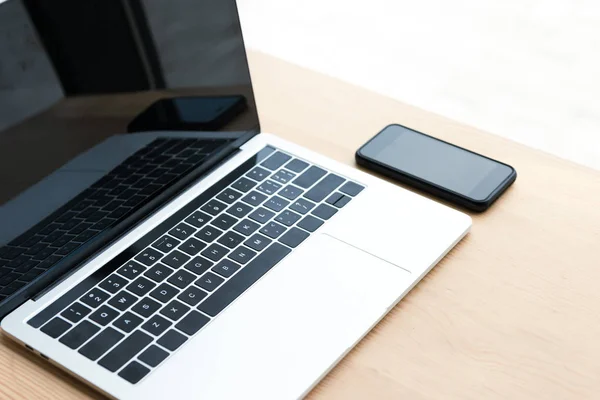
(288, 329)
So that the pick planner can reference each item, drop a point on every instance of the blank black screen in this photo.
(432, 160)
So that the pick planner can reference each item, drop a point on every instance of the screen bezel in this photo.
(485, 192)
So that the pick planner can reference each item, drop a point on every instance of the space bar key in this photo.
(241, 281)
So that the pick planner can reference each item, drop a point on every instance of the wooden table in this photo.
(512, 312)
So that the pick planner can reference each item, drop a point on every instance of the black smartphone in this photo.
(191, 113)
(437, 167)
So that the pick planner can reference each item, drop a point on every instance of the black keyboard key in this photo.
(192, 296)
(146, 307)
(294, 237)
(291, 192)
(68, 226)
(209, 233)
(101, 343)
(31, 275)
(283, 176)
(82, 230)
(245, 278)
(56, 327)
(63, 251)
(156, 325)
(113, 283)
(134, 201)
(192, 323)
(164, 293)
(54, 236)
(95, 217)
(243, 185)
(113, 205)
(46, 231)
(231, 239)
(198, 219)
(342, 201)
(85, 236)
(310, 223)
(242, 254)
(121, 211)
(229, 195)
(175, 259)
(192, 246)
(172, 340)
(141, 286)
(175, 310)
(159, 273)
(104, 315)
(246, 227)
(276, 203)
(79, 335)
(258, 242)
(142, 183)
(8, 278)
(226, 268)
(123, 300)
(224, 221)
(131, 269)
(48, 251)
(214, 207)
(239, 209)
(34, 249)
(198, 265)
(153, 356)
(209, 281)
(324, 211)
(75, 312)
(258, 173)
(351, 188)
(288, 217)
(166, 243)
(276, 161)
(297, 165)
(273, 230)
(125, 351)
(254, 198)
(215, 252)
(182, 279)
(148, 257)
(182, 231)
(134, 372)
(302, 206)
(324, 188)
(261, 215)
(309, 177)
(146, 191)
(269, 187)
(128, 322)
(94, 297)
(63, 240)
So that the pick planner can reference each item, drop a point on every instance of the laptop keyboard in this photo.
(139, 308)
(121, 192)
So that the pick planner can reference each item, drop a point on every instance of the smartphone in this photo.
(193, 113)
(437, 167)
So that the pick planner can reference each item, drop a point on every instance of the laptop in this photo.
(198, 257)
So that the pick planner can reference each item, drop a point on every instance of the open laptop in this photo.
(220, 263)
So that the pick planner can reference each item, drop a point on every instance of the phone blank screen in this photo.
(432, 160)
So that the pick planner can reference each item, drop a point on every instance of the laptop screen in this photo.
(107, 109)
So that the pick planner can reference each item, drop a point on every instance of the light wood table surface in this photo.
(512, 312)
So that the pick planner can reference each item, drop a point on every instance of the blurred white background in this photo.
(528, 70)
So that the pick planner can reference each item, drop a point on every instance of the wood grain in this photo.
(512, 312)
